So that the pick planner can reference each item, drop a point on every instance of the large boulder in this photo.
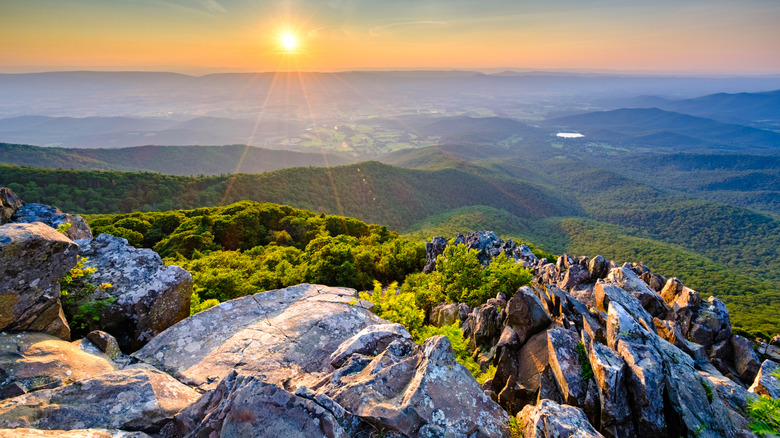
(131, 399)
(9, 203)
(148, 295)
(525, 314)
(53, 217)
(286, 335)
(33, 361)
(548, 419)
(416, 391)
(33, 257)
(712, 323)
(766, 382)
(598, 268)
(245, 406)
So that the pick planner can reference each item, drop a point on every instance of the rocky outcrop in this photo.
(53, 217)
(33, 361)
(148, 296)
(287, 335)
(33, 257)
(9, 203)
(487, 245)
(415, 391)
(131, 399)
(549, 419)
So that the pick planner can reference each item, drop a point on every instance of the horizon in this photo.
(193, 72)
(699, 37)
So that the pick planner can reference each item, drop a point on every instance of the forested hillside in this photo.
(370, 191)
(174, 160)
(723, 250)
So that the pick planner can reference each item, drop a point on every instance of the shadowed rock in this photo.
(9, 203)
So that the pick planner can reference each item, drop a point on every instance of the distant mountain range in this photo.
(756, 109)
(657, 127)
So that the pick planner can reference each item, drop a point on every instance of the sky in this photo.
(203, 36)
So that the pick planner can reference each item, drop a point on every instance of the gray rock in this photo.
(9, 203)
(432, 250)
(370, 341)
(286, 335)
(746, 360)
(33, 257)
(525, 314)
(711, 324)
(408, 388)
(628, 280)
(245, 406)
(133, 399)
(548, 419)
(598, 268)
(610, 373)
(607, 293)
(105, 342)
(33, 361)
(149, 296)
(575, 275)
(484, 325)
(565, 364)
(53, 217)
(445, 314)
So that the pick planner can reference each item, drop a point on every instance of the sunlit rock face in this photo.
(33, 257)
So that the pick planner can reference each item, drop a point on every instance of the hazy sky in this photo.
(198, 36)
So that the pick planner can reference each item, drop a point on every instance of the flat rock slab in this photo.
(33, 361)
(285, 335)
(131, 399)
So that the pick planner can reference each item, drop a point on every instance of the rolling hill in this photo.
(173, 160)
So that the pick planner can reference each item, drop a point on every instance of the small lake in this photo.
(570, 135)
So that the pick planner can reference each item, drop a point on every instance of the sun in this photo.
(289, 42)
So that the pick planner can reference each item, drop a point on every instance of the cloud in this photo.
(386, 30)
